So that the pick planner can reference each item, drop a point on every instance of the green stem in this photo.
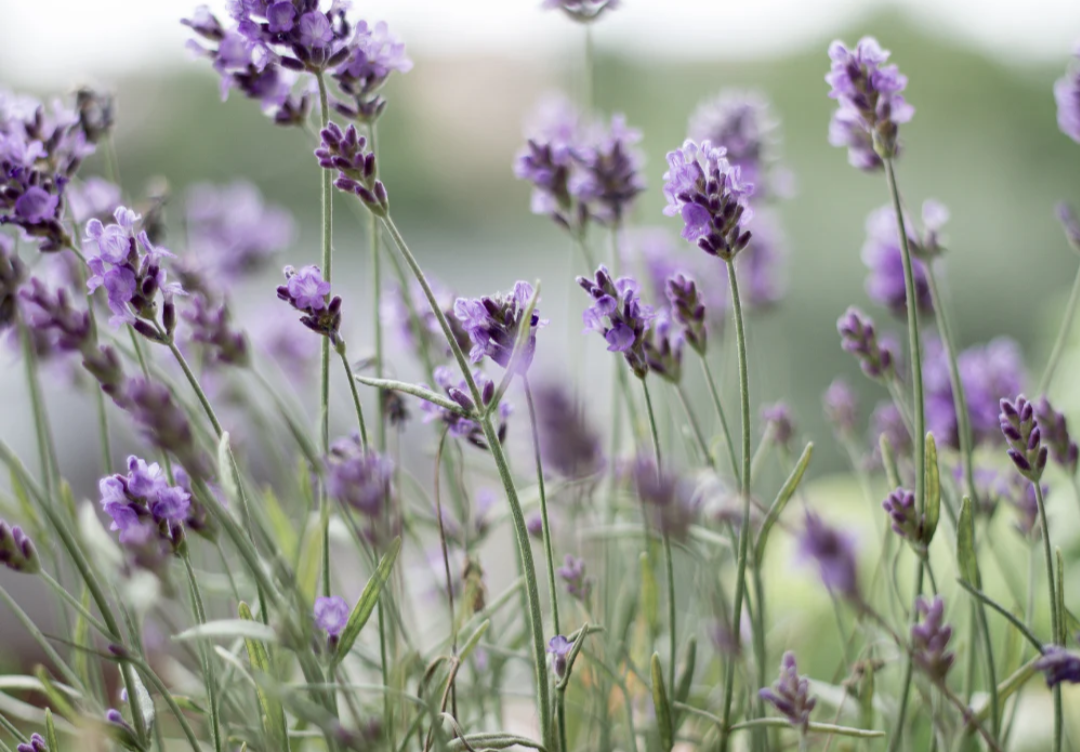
(324, 356)
(199, 393)
(1062, 337)
(355, 396)
(713, 391)
(207, 661)
(744, 530)
(909, 671)
(376, 304)
(695, 426)
(1053, 608)
(46, 447)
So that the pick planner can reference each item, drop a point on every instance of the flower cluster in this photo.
(791, 693)
(578, 584)
(930, 639)
(906, 521)
(708, 192)
(147, 511)
(36, 744)
(664, 346)
(841, 407)
(164, 423)
(210, 327)
(569, 445)
(669, 500)
(742, 122)
(492, 324)
(1067, 94)
(1055, 432)
(307, 291)
(344, 151)
(129, 268)
(858, 337)
(458, 424)
(833, 551)
(688, 309)
(376, 53)
(360, 478)
(582, 11)
(871, 107)
(17, 551)
(619, 315)
(778, 423)
(1024, 437)
(1059, 665)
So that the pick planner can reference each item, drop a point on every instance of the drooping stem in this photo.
(1053, 606)
(356, 397)
(1062, 337)
(744, 530)
(723, 418)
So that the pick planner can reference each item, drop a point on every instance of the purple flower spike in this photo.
(359, 478)
(841, 407)
(12, 275)
(569, 444)
(346, 152)
(582, 11)
(742, 122)
(871, 105)
(577, 584)
(148, 513)
(930, 639)
(833, 551)
(307, 291)
(884, 258)
(857, 336)
(668, 499)
(378, 53)
(493, 323)
(461, 426)
(331, 614)
(1059, 665)
(664, 347)
(1023, 437)
(791, 693)
(559, 648)
(906, 521)
(688, 309)
(164, 423)
(608, 177)
(210, 327)
(17, 551)
(1056, 433)
(36, 744)
(778, 422)
(1067, 95)
(618, 313)
(709, 194)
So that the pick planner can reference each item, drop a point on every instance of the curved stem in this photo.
(1062, 337)
(355, 396)
(723, 418)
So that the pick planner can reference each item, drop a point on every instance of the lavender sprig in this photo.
(1024, 437)
(619, 315)
(791, 694)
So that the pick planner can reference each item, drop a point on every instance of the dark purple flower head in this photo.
(164, 423)
(461, 426)
(619, 315)
(1067, 95)
(833, 551)
(1059, 665)
(143, 506)
(1023, 437)
(376, 54)
(1055, 432)
(871, 107)
(210, 327)
(17, 551)
(359, 478)
(493, 323)
(790, 695)
(858, 337)
(573, 574)
(668, 499)
(841, 407)
(331, 614)
(884, 258)
(346, 153)
(778, 422)
(664, 346)
(582, 11)
(905, 518)
(231, 232)
(307, 291)
(36, 744)
(688, 309)
(743, 123)
(559, 648)
(703, 188)
(930, 639)
(12, 275)
(569, 444)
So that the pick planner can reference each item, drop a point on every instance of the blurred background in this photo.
(984, 141)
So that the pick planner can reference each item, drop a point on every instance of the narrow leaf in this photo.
(368, 600)
(229, 628)
(888, 460)
(660, 702)
(686, 679)
(650, 595)
(965, 545)
(1012, 618)
(273, 714)
(415, 390)
(782, 498)
(494, 740)
(146, 702)
(933, 491)
(56, 698)
(474, 640)
(225, 470)
(50, 731)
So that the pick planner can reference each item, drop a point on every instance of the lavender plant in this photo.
(306, 612)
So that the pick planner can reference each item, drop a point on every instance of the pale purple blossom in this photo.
(331, 614)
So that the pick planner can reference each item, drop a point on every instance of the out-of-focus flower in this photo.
(778, 421)
(663, 347)
(569, 444)
(17, 551)
(94, 197)
(582, 11)
(1059, 665)
(930, 639)
(1055, 432)
(858, 337)
(209, 324)
(833, 551)
(841, 407)
(376, 54)
(361, 479)
(12, 275)
(884, 258)
(743, 123)
(688, 309)
(573, 574)
(791, 693)
(667, 498)
(1067, 95)
(147, 511)
(331, 614)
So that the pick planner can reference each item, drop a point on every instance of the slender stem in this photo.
(46, 447)
(207, 661)
(909, 671)
(723, 418)
(324, 357)
(446, 558)
(744, 530)
(652, 423)
(1062, 337)
(203, 400)
(1053, 607)
(695, 425)
(376, 304)
(355, 396)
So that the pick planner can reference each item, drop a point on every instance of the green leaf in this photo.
(226, 476)
(231, 629)
(660, 702)
(368, 600)
(50, 732)
(965, 545)
(146, 702)
(283, 528)
(56, 698)
(273, 715)
(1060, 629)
(650, 595)
(933, 491)
(415, 390)
(782, 498)
(493, 740)
(474, 640)
(686, 679)
(888, 460)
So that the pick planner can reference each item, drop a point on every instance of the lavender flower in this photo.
(668, 499)
(331, 614)
(360, 478)
(36, 744)
(459, 425)
(307, 291)
(1020, 494)
(559, 649)
(582, 11)
(906, 520)
(664, 346)
(871, 107)
(1024, 437)
(17, 551)
(742, 122)
(833, 551)
(210, 327)
(791, 693)
(688, 310)
(163, 423)
(608, 177)
(493, 322)
(884, 257)
(1059, 665)
(573, 573)
(12, 275)
(569, 444)
(548, 159)
(930, 639)
(535, 525)
(778, 422)
(704, 189)
(857, 336)
(841, 407)
(232, 232)
(144, 507)
(627, 318)
(1067, 95)
(344, 151)
(1056, 433)
(376, 54)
